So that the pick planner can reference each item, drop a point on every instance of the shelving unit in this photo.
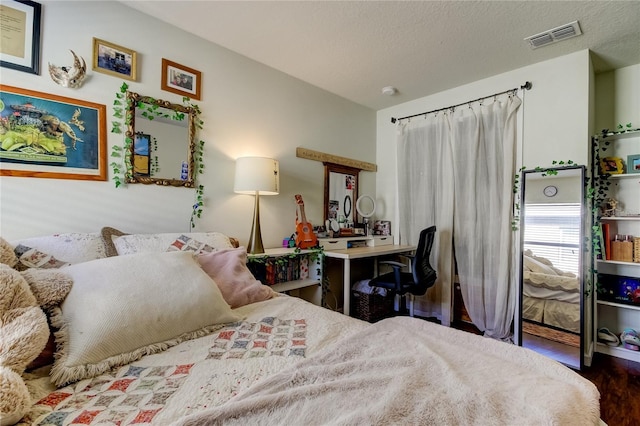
(308, 288)
(625, 188)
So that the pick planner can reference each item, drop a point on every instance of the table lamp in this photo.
(257, 176)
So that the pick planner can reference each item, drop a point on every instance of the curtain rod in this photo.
(527, 85)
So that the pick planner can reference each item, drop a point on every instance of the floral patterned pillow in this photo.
(185, 243)
(72, 247)
(29, 257)
(158, 243)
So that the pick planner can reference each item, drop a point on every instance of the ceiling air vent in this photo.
(554, 35)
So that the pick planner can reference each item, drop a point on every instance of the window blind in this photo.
(552, 231)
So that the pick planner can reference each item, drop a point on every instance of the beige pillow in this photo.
(228, 268)
(124, 307)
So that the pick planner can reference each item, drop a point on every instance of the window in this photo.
(552, 231)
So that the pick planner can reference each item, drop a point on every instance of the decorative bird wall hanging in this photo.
(69, 76)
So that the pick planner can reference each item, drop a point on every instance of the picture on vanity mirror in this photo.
(382, 227)
(334, 206)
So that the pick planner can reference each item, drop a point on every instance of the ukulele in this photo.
(305, 237)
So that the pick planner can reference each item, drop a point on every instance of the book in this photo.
(607, 241)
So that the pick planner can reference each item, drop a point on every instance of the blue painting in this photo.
(38, 129)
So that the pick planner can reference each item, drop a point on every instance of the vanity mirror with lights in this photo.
(162, 141)
(555, 307)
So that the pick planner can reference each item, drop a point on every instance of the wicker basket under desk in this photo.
(372, 307)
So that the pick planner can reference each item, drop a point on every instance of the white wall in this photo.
(553, 118)
(248, 109)
(617, 98)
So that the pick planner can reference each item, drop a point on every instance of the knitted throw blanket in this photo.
(408, 371)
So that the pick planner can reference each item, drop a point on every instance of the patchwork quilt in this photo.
(195, 375)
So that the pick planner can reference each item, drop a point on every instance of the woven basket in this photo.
(372, 307)
(636, 249)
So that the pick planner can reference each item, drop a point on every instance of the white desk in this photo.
(360, 253)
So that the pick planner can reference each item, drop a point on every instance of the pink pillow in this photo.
(228, 268)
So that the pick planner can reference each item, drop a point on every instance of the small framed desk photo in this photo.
(382, 227)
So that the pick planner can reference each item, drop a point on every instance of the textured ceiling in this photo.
(354, 48)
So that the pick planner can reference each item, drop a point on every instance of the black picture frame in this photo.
(32, 21)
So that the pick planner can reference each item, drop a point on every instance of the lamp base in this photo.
(255, 239)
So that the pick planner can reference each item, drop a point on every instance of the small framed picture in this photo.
(382, 227)
(611, 166)
(117, 61)
(633, 163)
(181, 80)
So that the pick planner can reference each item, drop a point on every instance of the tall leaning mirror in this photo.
(340, 194)
(553, 300)
(162, 141)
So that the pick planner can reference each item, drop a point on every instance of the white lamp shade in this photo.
(259, 174)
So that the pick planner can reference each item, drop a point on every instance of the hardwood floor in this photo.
(618, 381)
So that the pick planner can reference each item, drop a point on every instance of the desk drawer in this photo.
(333, 243)
(381, 240)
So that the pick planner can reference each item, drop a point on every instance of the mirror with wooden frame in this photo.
(340, 193)
(161, 142)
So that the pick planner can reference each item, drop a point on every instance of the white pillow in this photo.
(69, 248)
(145, 243)
(534, 265)
(124, 307)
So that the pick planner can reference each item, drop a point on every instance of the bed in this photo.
(550, 296)
(278, 360)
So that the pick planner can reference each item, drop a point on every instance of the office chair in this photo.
(414, 283)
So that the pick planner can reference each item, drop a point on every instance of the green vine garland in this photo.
(599, 191)
(121, 165)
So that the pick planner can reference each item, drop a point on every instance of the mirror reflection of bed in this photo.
(552, 296)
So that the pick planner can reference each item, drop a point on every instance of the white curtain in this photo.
(425, 195)
(455, 170)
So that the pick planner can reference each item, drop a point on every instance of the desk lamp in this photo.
(257, 176)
